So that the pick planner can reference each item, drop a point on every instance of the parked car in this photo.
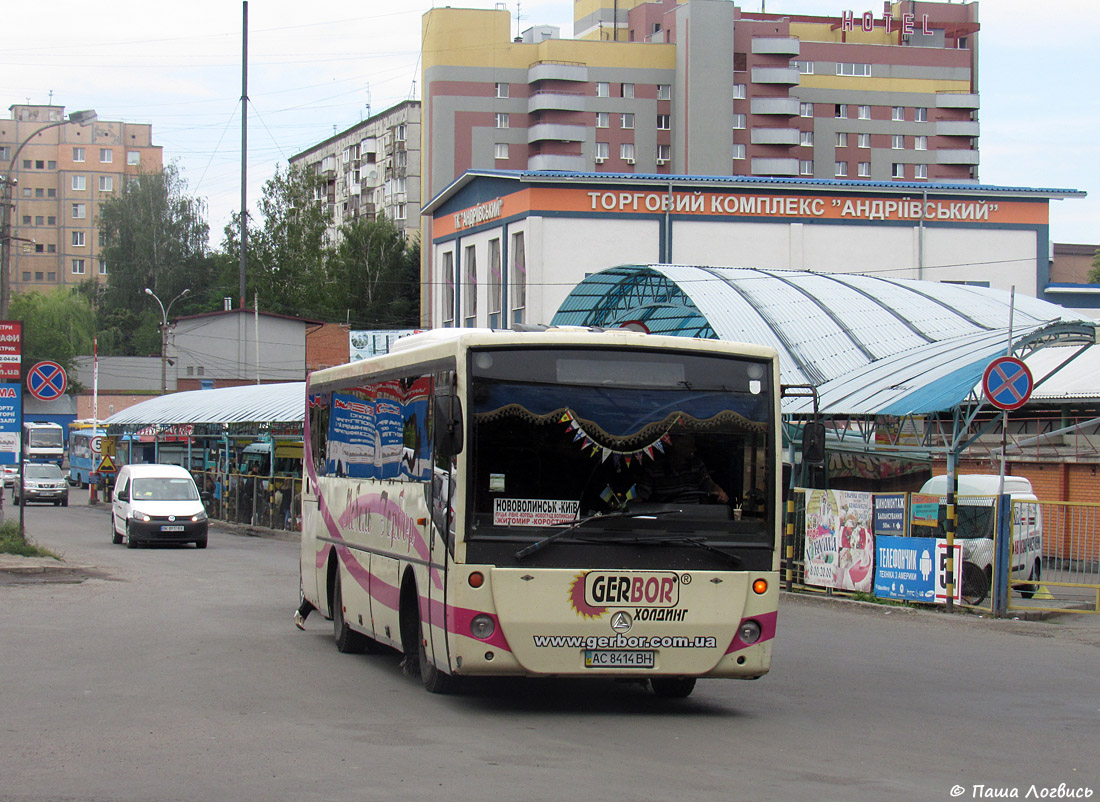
(43, 481)
(157, 504)
(11, 473)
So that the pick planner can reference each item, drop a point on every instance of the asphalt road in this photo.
(177, 674)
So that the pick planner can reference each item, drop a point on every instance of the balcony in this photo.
(555, 101)
(774, 136)
(557, 71)
(956, 100)
(775, 167)
(775, 46)
(782, 106)
(775, 75)
(558, 161)
(948, 156)
(556, 131)
(957, 128)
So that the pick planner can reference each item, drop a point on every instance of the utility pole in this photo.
(244, 152)
(164, 336)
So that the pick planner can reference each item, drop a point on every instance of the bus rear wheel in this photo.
(672, 687)
(348, 641)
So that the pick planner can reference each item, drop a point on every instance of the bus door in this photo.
(447, 443)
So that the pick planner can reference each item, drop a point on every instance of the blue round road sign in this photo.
(47, 381)
(1007, 382)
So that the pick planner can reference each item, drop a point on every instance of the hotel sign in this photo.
(867, 22)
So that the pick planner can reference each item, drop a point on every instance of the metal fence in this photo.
(1068, 579)
(252, 500)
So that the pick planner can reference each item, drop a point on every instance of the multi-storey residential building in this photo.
(371, 168)
(61, 177)
(703, 87)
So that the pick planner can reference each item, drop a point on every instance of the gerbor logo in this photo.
(576, 598)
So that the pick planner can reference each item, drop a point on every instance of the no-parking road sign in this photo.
(1007, 382)
(47, 381)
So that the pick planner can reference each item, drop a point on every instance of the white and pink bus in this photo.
(560, 503)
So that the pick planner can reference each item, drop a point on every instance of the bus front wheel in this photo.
(434, 680)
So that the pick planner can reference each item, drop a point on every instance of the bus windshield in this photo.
(44, 438)
(565, 438)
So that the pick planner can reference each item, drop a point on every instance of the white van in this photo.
(975, 522)
(157, 504)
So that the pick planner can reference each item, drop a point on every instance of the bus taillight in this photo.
(760, 587)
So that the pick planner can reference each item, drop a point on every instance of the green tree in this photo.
(1094, 274)
(156, 237)
(287, 254)
(57, 326)
(376, 276)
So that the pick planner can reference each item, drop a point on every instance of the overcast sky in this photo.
(317, 68)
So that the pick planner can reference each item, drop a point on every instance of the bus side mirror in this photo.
(448, 426)
(813, 443)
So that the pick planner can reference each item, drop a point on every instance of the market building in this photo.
(508, 246)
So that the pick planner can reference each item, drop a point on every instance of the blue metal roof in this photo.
(834, 184)
(871, 345)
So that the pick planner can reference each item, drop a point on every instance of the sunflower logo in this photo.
(576, 598)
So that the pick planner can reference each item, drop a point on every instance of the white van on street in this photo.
(157, 504)
(975, 528)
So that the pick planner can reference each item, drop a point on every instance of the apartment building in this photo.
(60, 178)
(369, 169)
(704, 87)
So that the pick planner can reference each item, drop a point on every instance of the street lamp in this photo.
(164, 335)
(86, 117)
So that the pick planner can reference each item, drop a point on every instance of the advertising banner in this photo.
(890, 514)
(11, 350)
(11, 405)
(924, 510)
(914, 569)
(839, 541)
(941, 571)
(905, 568)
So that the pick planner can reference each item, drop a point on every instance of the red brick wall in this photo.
(326, 346)
(1051, 481)
(1067, 531)
(109, 403)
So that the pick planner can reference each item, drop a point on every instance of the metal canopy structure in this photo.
(870, 345)
(249, 409)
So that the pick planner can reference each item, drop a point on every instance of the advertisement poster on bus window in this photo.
(839, 540)
(390, 425)
(380, 431)
(352, 438)
(416, 452)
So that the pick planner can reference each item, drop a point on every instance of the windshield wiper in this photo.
(538, 545)
(687, 541)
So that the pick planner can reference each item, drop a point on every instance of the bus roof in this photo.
(449, 342)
